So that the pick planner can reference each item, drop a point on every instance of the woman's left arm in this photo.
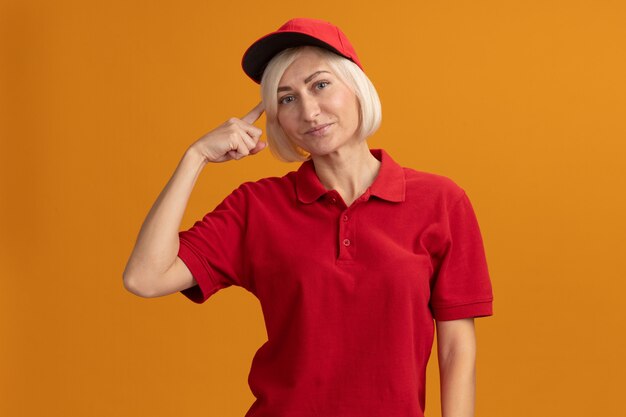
(456, 347)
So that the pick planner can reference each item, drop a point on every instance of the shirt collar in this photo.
(389, 184)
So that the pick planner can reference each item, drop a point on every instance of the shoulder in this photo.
(269, 183)
(269, 188)
(431, 186)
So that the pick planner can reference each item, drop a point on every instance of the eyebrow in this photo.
(306, 80)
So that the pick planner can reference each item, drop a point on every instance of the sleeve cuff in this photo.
(201, 272)
(477, 309)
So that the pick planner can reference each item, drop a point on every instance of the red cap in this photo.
(296, 32)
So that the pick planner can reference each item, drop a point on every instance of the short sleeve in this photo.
(212, 248)
(461, 287)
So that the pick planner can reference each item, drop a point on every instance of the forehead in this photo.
(308, 61)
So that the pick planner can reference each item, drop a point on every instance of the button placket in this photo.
(346, 239)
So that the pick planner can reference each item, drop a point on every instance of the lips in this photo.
(318, 129)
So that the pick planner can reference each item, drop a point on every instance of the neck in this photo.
(350, 172)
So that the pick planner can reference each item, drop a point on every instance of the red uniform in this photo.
(348, 294)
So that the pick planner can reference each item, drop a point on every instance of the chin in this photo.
(321, 149)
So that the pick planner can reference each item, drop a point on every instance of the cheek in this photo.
(348, 103)
(285, 119)
(357, 111)
(352, 109)
(280, 122)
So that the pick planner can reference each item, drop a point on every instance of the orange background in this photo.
(522, 103)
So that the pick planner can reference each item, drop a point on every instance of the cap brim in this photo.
(260, 53)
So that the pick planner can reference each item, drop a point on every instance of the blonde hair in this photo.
(370, 113)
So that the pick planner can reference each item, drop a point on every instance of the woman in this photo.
(351, 256)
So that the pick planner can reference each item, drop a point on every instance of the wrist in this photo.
(193, 157)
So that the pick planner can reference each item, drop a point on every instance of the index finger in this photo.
(254, 114)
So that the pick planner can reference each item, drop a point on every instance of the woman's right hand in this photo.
(234, 139)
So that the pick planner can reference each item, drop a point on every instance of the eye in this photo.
(286, 99)
(321, 85)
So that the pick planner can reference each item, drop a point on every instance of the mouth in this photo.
(318, 130)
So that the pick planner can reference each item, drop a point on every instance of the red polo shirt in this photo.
(348, 294)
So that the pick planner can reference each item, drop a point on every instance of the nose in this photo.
(310, 108)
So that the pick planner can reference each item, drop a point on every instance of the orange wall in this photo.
(522, 103)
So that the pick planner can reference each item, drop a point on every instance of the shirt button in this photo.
(333, 200)
(346, 242)
(345, 218)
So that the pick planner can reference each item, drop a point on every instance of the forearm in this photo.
(457, 368)
(157, 243)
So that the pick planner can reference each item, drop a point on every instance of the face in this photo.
(316, 109)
